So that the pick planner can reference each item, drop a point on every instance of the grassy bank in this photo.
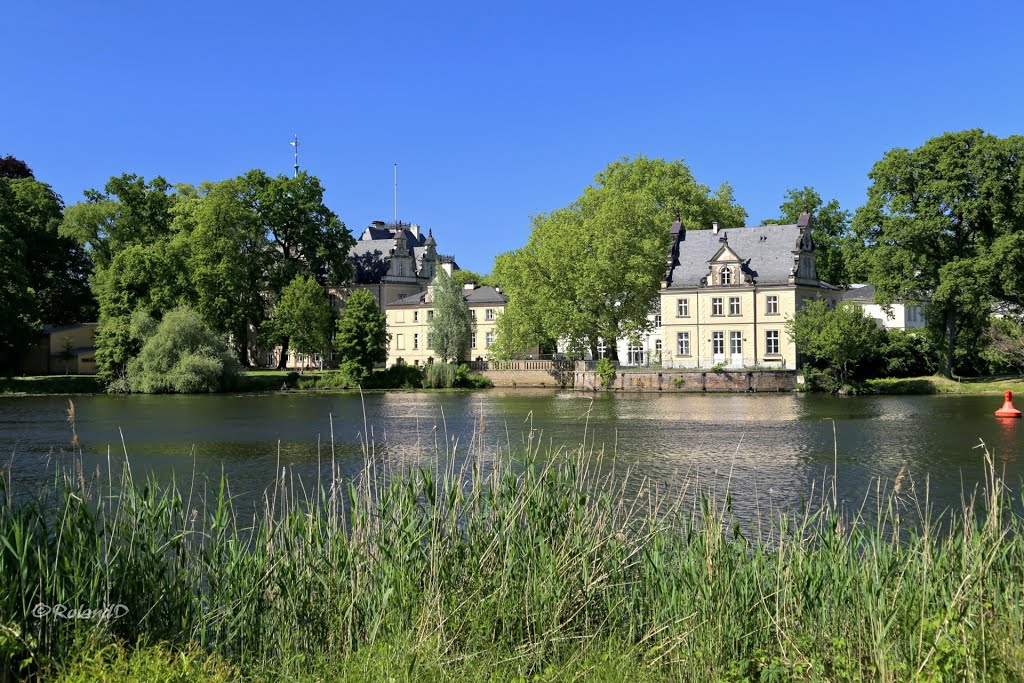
(51, 384)
(495, 572)
(941, 385)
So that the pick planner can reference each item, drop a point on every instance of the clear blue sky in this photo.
(496, 111)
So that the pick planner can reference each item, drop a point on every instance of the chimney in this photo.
(804, 221)
(714, 227)
(468, 287)
(415, 230)
(379, 224)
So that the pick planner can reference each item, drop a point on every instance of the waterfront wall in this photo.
(583, 377)
(527, 373)
(690, 381)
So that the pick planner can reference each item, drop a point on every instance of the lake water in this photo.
(769, 448)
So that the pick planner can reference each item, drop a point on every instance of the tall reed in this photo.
(502, 568)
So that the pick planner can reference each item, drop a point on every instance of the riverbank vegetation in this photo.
(501, 569)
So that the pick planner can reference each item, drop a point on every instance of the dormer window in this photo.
(725, 275)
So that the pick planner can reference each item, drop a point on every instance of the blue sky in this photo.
(496, 111)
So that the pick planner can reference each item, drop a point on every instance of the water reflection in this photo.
(765, 448)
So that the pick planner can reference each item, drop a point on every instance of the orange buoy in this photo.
(1008, 410)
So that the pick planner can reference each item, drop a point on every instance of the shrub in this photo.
(396, 377)
(606, 371)
(467, 379)
(438, 376)
(180, 355)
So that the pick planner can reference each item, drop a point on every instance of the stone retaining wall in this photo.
(679, 381)
(529, 378)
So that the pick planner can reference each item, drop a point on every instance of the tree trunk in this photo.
(950, 342)
(283, 360)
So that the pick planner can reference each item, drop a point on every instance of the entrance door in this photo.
(736, 349)
(718, 347)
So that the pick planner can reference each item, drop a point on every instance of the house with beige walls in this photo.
(409, 324)
(727, 294)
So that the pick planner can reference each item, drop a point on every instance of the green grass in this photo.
(51, 384)
(941, 385)
(510, 570)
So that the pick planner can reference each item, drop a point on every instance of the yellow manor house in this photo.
(728, 293)
(409, 324)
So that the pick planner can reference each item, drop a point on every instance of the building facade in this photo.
(409, 324)
(901, 315)
(728, 293)
(395, 260)
(65, 350)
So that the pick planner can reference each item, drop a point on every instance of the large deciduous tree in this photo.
(451, 326)
(140, 259)
(592, 270)
(229, 259)
(43, 276)
(944, 223)
(830, 231)
(306, 237)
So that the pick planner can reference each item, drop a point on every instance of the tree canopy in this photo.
(835, 341)
(592, 270)
(451, 325)
(227, 249)
(830, 231)
(43, 276)
(944, 224)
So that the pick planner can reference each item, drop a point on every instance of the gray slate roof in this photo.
(769, 247)
(477, 297)
(865, 294)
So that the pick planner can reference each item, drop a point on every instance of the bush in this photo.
(606, 371)
(467, 379)
(180, 355)
(438, 376)
(396, 377)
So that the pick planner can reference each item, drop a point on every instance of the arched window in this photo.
(725, 274)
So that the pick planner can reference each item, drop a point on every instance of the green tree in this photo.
(464, 277)
(835, 341)
(306, 237)
(1005, 344)
(19, 324)
(943, 223)
(45, 275)
(451, 325)
(591, 270)
(302, 315)
(229, 259)
(830, 231)
(140, 260)
(180, 354)
(361, 335)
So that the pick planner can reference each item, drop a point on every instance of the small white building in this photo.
(902, 315)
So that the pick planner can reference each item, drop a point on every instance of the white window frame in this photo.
(735, 343)
(717, 306)
(718, 343)
(488, 340)
(682, 308)
(682, 343)
(771, 338)
(488, 314)
(734, 303)
(725, 275)
(771, 304)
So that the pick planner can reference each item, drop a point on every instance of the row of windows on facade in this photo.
(718, 306)
(400, 341)
(488, 314)
(771, 343)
